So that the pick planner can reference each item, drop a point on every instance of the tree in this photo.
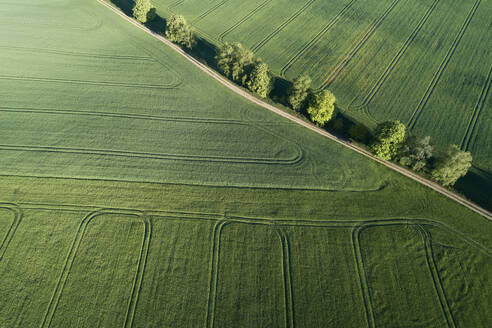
(416, 153)
(299, 91)
(260, 80)
(451, 165)
(321, 107)
(179, 32)
(233, 61)
(359, 132)
(388, 139)
(143, 11)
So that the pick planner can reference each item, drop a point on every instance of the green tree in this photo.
(179, 32)
(143, 11)
(321, 107)
(451, 165)
(416, 153)
(233, 61)
(359, 132)
(299, 91)
(260, 81)
(388, 139)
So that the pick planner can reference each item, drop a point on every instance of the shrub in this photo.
(451, 165)
(143, 11)
(233, 61)
(259, 80)
(321, 107)
(299, 92)
(179, 32)
(388, 139)
(416, 153)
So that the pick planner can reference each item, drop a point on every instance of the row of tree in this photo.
(446, 166)
(390, 141)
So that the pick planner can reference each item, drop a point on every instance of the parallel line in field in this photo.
(470, 129)
(214, 272)
(79, 54)
(308, 45)
(389, 69)
(175, 4)
(287, 278)
(57, 292)
(137, 282)
(209, 11)
(177, 157)
(361, 274)
(17, 218)
(442, 67)
(242, 20)
(436, 278)
(359, 45)
(87, 82)
(289, 20)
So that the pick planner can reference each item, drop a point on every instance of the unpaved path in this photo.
(224, 81)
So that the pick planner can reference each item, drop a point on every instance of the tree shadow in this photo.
(477, 186)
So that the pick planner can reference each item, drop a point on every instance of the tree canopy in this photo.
(451, 165)
(233, 60)
(321, 107)
(416, 153)
(259, 80)
(388, 139)
(179, 32)
(143, 11)
(299, 91)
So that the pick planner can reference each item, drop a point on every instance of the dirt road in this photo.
(297, 120)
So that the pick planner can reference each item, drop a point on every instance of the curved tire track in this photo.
(18, 214)
(57, 293)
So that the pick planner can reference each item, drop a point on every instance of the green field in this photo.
(427, 63)
(135, 191)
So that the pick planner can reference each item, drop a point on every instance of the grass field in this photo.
(427, 63)
(137, 192)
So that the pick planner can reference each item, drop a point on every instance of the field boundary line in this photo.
(69, 260)
(470, 129)
(277, 30)
(389, 69)
(308, 45)
(88, 82)
(243, 19)
(373, 26)
(436, 278)
(170, 157)
(214, 272)
(442, 67)
(287, 277)
(17, 218)
(436, 187)
(209, 11)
